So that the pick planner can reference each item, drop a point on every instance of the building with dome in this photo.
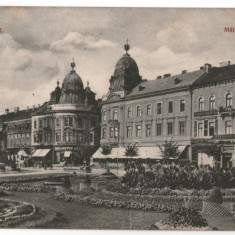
(68, 125)
(146, 112)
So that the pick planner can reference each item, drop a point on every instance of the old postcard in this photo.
(117, 118)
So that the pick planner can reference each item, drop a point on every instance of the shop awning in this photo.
(143, 153)
(22, 153)
(41, 152)
(67, 153)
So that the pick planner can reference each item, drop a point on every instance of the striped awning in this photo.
(41, 152)
(143, 153)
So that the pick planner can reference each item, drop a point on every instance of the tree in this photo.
(169, 150)
(213, 150)
(106, 150)
(131, 150)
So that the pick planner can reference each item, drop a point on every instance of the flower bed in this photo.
(20, 187)
(115, 203)
(19, 209)
(166, 193)
(182, 219)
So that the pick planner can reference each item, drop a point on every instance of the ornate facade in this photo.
(68, 123)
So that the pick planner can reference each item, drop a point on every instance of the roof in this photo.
(14, 116)
(164, 84)
(217, 74)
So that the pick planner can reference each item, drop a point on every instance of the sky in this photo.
(37, 46)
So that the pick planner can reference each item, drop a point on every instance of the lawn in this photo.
(82, 216)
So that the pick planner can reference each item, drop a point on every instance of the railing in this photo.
(206, 113)
(225, 136)
(226, 109)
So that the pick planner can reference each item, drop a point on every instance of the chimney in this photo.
(16, 109)
(34, 107)
(159, 77)
(184, 71)
(225, 63)
(27, 108)
(167, 75)
(207, 67)
(202, 68)
(6, 111)
(38, 105)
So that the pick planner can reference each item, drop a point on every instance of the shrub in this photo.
(66, 182)
(216, 196)
(131, 150)
(183, 217)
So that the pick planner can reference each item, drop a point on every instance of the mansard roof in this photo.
(216, 75)
(166, 84)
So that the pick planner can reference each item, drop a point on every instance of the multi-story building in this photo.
(16, 132)
(213, 114)
(146, 112)
(68, 123)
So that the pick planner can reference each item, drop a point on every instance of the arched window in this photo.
(212, 102)
(229, 100)
(201, 103)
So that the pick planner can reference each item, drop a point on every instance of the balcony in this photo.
(225, 136)
(227, 111)
(206, 113)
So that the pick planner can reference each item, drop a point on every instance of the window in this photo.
(206, 128)
(138, 131)
(170, 128)
(182, 127)
(115, 114)
(66, 121)
(57, 121)
(211, 128)
(79, 122)
(195, 129)
(149, 110)
(48, 122)
(229, 100)
(111, 132)
(104, 133)
(128, 131)
(148, 130)
(35, 124)
(93, 122)
(159, 129)
(159, 108)
(129, 112)
(40, 123)
(228, 127)
(91, 137)
(200, 129)
(170, 107)
(182, 105)
(138, 111)
(115, 132)
(45, 122)
(57, 137)
(104, 115)
(212, 102)
(70, 121)
(201, 103)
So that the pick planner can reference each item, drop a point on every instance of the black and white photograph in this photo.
(117, 118)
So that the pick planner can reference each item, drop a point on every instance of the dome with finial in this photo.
(126, 64)
(72, 80)
(126, 73)
(72, 87)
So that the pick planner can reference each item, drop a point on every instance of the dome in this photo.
(126, 73)
(72, 88)
(126, 65)
(72, 81)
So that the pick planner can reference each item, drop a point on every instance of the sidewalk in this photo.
(29, 171)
